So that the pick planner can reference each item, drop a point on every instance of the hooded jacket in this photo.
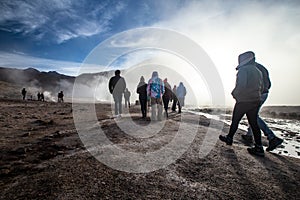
(249, 85)
(155, 87)
(266, 78)
(142, 89)
(181, 91)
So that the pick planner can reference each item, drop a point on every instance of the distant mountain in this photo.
(36, 81)
(33, 78)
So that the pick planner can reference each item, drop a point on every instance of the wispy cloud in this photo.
(20, 60)
(60, 20)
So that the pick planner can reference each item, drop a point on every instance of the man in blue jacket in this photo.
(247, 93)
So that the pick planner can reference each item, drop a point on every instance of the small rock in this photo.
(26, 134)
(19, 151)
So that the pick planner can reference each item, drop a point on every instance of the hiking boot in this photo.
(257, 150)
(226, 139)
(275, 142)
(248, 138)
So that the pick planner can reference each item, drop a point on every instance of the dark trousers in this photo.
(143, 103)
(166, 101)
(251, 110)
(118, 103)
(174, 104)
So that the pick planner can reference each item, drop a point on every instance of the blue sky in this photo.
(59, 34)
(68, 30)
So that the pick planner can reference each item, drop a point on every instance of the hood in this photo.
(154, 74)
(245, 58)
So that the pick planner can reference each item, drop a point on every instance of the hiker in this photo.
(247, 93)
(24, 93)
(155, 90)
(127, 97)
(60, 97)
(167, 96)
(142, 91)
(180, 93)
(273, 140)
(39, 96)
(116, 87)
(42, 97)
(174, 99)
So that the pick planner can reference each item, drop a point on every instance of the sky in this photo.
(59, 35)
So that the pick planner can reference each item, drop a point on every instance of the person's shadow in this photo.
(247, 187)
(284, 171)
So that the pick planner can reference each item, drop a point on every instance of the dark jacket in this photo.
(266, 78)
(168, 91)
(142, 90)
(249, 85)
(116, 85)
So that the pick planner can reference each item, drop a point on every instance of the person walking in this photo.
(60, 97)
(155, 90)
(142, 91)
(24, 93)
(180, 92)
(39, 96)
(273, 140)
(116, 87)
(167, 96)
(247, 93)
(127, 97)
(174, 98)
(42, 96)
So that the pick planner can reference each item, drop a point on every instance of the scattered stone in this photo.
(42, 122)
(18, 151)
(26, 134)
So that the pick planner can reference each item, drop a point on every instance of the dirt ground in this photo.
(42, 157)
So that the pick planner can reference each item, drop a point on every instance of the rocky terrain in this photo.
(42, 157)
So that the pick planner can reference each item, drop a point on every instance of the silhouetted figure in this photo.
(127, 97)
(180, 93)
(167, 96)
(42, 97)
(60, 97)
(273, 140)
(174, 98)
(142, 91)
(39, 96)
(116, 87)
(24, 93)
(155, 90)
(247, 93)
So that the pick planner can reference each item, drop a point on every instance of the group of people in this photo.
(40, 95)
(250, 92)
(159, 93)
(156, 93)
